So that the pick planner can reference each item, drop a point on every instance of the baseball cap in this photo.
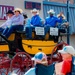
(39, 57)
(67, 49)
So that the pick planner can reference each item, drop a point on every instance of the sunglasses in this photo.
(17, 11)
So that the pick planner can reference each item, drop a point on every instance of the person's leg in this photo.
(10, 30)
(1, 30)
(29, 32)
(5, 31)
(13, 28)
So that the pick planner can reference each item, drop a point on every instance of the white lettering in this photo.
(0, 12)
(4, 13)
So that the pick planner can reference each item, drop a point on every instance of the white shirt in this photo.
(6, 24)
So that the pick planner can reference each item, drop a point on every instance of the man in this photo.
(64, 67)
(9, 14)
(52, 20)
(35, 20)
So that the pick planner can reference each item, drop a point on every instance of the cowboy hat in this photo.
(10, 12)
(51, 11)
(18, 9)
(35, 10)
(67, 49)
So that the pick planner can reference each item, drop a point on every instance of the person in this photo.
(17, 23)
(9, 14)
(63, 24)
(52, 20)
(25, 17)
(39, 58)
(64, 67)
(35, 19)
(26, 21)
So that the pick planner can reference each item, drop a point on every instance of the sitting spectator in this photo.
(35, 20)
(17, 22)
(64, 67)
(52, 20)
(25, 17)
(39, 58)
(9, 14)
(31, 24)
(26, 21)
(63, 24)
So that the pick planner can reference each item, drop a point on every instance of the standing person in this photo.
(39, 58)
(17, 23)
(64, 67)
(9, 14)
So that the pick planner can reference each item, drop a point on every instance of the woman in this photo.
(64, 67)
(17, 22)
(39, 58)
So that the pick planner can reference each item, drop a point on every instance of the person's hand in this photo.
(61, 13)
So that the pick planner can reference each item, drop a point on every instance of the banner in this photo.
(3, 10)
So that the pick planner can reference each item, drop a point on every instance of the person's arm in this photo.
(59, 19)
(1, 26)
(6, 24)
(36, 21)
(45, 22)
(30, 72)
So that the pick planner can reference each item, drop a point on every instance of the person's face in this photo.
(9, 15)
(51, 14)
(66, 56)
(34, 13)
(17, 13)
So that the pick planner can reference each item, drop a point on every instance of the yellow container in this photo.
(34, 46)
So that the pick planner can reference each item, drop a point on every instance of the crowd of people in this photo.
(60, 68)
(17, 20)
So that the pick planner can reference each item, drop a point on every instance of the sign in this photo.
(3, 10)
(39, 30)
(32, 5)
(54, 31)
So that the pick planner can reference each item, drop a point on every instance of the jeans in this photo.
(1, 30)
(7, 32)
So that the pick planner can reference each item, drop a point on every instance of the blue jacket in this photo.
(51, 21)
(36, 20)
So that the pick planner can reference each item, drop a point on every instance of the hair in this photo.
(43, 61)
